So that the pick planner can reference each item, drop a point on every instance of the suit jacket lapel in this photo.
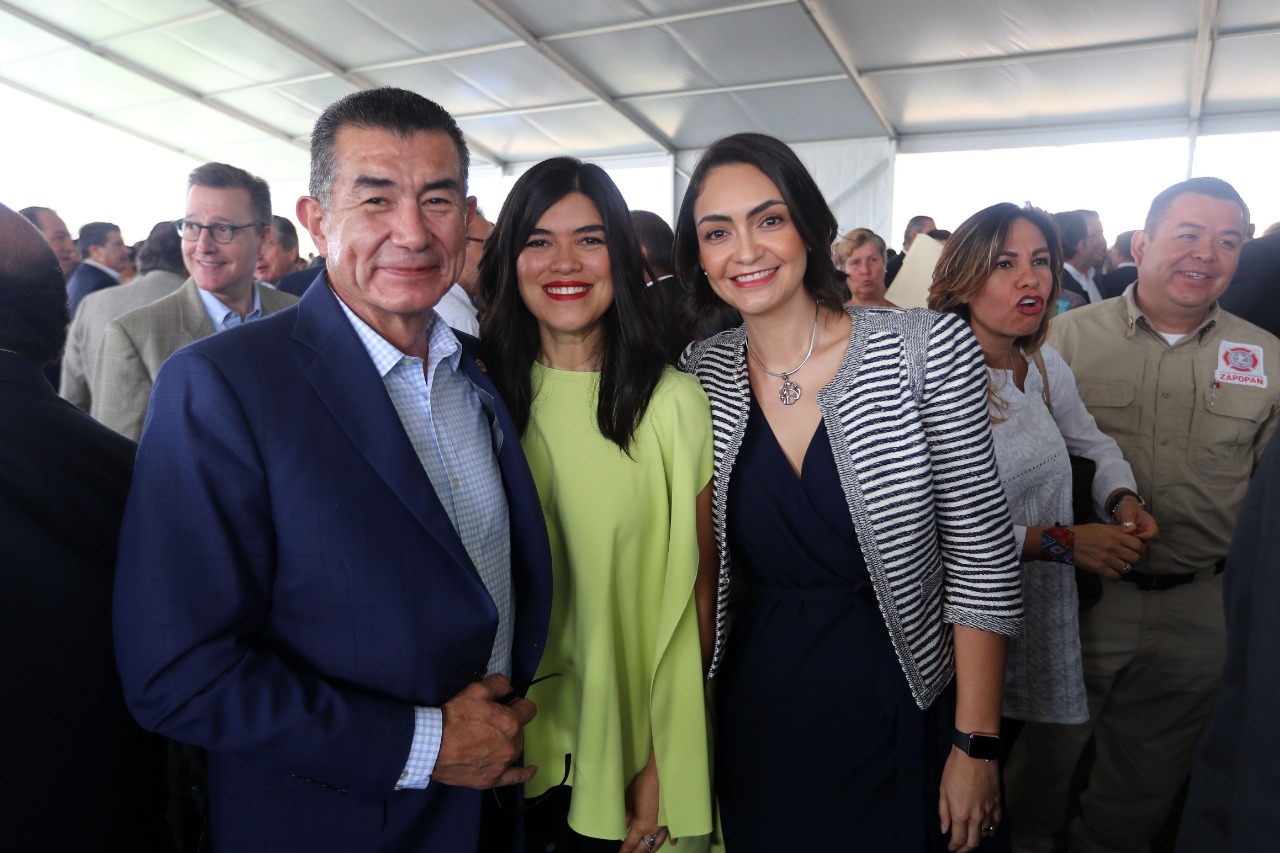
(342, 375)
(192, 317)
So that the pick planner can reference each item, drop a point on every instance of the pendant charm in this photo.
(789, 393)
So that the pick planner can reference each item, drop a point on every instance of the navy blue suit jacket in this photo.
(79, 774)
(85, 280)
(1254, 293)
(298, 281)
(289, 587)
(1235, 780)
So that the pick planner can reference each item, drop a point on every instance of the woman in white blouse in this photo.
(1000, 272)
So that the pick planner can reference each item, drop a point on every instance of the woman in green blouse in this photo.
(620, 448)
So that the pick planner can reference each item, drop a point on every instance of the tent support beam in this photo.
(824, 27)
(306, 51)
(579, 76)
(153, 77)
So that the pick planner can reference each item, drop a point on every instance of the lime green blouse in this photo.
(624, 631)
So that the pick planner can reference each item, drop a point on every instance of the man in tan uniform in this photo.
(1192, 395)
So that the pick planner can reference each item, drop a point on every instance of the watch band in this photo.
(977, 744)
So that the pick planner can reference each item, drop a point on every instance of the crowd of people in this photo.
(571, 531)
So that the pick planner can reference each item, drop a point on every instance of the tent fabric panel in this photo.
(176, 121)
(911, 32)
(506, 80)
(774, 43)
(86, 82)
(537, 136)
(1138, 86)
(797, 113)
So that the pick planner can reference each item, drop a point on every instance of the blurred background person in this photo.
(79, 773)
(58, 235)
(458, 305)
(162, 271)
(663, 289)
(105, 258)
(279, 254)
(916, 226)
(860, 255)
(1123, 271)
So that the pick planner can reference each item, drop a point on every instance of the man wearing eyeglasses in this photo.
(227, 220)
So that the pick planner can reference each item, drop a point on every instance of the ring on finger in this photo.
(1125, 569)
(651, 840)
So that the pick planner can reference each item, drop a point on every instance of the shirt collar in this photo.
(218, 313)
(1076, 274)
(1128, 305)
(108, 270)
(442, 344)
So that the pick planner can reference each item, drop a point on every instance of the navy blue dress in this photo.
(820, 744)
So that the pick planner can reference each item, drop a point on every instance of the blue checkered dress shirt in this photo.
(450, 423)
(224, 318)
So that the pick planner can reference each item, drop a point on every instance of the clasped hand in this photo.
(1106, 549)
(483, 736)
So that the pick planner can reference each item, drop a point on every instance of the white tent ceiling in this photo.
(243, 80)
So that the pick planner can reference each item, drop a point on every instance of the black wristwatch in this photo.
(1114, 503)
(986, 747)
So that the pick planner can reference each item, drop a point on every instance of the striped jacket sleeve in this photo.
(982, 585)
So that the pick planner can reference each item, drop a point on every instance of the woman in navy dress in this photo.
(864, 540)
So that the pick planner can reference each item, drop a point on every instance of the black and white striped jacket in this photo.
(919, 476)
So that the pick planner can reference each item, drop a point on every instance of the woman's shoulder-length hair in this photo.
(808, 208)
(631, 356)
(970, 256)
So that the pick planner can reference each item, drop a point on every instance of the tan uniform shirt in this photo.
(1192, 419)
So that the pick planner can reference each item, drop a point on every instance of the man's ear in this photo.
(311, 215)
(1138, 247)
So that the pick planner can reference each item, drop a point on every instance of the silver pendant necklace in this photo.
(790, 390)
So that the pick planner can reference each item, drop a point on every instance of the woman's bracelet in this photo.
(1058, 545)
(1121, 495)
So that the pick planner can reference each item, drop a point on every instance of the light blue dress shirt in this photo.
(450, 423)
(224, 318)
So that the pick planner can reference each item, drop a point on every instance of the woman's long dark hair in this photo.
(810, 214)
(631, 357)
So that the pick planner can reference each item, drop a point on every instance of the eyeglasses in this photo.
(532, 803)
(480, 240)
(221, 232)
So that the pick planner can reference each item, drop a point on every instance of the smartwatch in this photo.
(977, 745)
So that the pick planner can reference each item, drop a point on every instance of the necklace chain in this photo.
(790, 390)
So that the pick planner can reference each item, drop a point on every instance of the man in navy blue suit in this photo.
(334, 574)
(105, 257)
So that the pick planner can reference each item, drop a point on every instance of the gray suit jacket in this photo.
(135, 345)
(84, 337)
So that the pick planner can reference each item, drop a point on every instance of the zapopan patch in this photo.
(1240, 364)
